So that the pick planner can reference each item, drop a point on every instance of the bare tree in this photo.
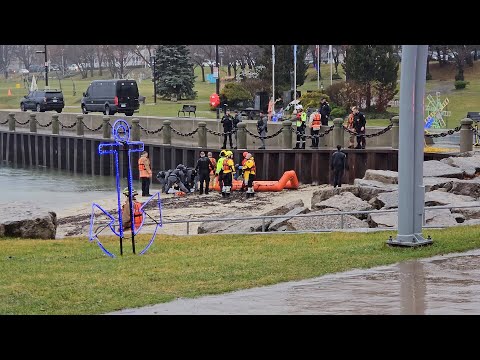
(100, 56)
(197, 56)
(25, 53)
(6, 55)
(150, 50)
(461, 54)
(117, 56)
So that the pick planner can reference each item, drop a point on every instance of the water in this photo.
(52, 189)
(445, 284)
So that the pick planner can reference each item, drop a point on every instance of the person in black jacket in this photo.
(359, 123)
(227, 122)
(237, 118)
(337, 164)
(324, 111)
(204, 165)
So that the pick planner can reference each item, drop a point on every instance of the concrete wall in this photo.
(186, 125)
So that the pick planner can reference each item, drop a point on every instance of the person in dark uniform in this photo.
(227, 122)
(359, 123)
(324, 111)
(337, 164)
(204, 166)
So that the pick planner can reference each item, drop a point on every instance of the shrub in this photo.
(312, 99)
(459, 84)
(338, 113)
(233, 93)
(333, 91)
(336, 76)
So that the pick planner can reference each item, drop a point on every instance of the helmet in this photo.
(245, 154)
(228, 153)
(125, 192)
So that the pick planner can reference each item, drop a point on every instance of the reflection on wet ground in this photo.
(448, 284)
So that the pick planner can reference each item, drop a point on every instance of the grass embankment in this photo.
(72, 276)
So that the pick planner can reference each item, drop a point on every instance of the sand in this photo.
(75, 221)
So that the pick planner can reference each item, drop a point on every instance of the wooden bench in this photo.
(189, 109)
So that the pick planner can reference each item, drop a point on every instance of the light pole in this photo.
(153, 61)
(218, 79)
(46, 64)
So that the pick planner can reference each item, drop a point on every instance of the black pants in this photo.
(145, 186)
(300, 138)
(204, 178)
(337, 177)
(225, 140)
(220, 180)
(361, 140)
(315, 140)
(227, 179)
(251, 178)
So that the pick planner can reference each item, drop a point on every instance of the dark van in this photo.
(111, 96)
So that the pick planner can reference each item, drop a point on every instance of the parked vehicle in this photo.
(43, 100)
(111, 96)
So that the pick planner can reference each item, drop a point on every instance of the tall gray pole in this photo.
(217, 82)
(273, 76)
(410, 178)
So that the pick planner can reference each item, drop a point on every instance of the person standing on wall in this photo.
(337, 164)
(301, 119)
(145, 173)
(359, 123)
(227, 122)
(315, 124)
(262, 129)
(351, 143)
(324, 111)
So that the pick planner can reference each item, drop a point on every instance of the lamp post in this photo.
(46, 64)
(153, 61)
(218, 79)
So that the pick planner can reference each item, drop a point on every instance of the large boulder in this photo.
(440, 169)
(382, 219)
(434, 183)
(470, 212)
(240, 226)
(344, 202)
(469, 165)
(466, 187)
(325, 222)
(279, 222)
(368, 189)
(384, 176)
(386, 200)
(433, 217)
(327, 192)
(437, 197)
(29, 223)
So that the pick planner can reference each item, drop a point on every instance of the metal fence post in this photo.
(341, 221)
(55, 126)
(395, 131)
(202, 134)
(167, 132)
(11, 121)
(466, 135)
(80, 130)
(287, 134)
(33, 123)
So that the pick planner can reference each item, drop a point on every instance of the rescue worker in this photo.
(137, 214)
(203, 168)
(315, 126)
(145, 173)
(212, 172)
(176, 178)
(301, 119)
(351, 142)
(324, 111)
(219, 169)
(337, 164)
(249, 170)
(359, 123)
(228, 169)
(162, 179)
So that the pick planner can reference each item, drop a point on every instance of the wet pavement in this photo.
(448, 284)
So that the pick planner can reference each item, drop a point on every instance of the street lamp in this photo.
(218, 79)
(153, 61)
(46, 64)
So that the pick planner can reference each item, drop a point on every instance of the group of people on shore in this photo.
(230, 126)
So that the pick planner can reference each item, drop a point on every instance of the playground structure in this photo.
(288, 180)
(435, 110)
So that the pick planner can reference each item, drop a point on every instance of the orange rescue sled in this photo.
(288, 180)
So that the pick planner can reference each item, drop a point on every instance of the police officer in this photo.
(203, 168)
(227, 122)
(324, 111)
(359, 122)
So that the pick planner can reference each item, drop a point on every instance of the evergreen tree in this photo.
(284, 66)
(174, 72)
(373, 66)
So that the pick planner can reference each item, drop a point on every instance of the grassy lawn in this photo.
(72, 276)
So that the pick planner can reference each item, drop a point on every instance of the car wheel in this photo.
(59, 111)
(22, 107)
(39, 109)
(107, 110)
(84, 111)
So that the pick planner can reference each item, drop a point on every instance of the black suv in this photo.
(111, 96)
(43, 100)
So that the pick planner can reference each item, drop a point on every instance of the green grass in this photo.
(72, 276)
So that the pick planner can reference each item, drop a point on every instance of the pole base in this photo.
(413, 240)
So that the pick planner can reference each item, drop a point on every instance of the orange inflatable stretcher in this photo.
(288, 180)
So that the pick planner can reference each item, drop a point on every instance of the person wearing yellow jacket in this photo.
(228, 170)
(219, 170)
(249, 170)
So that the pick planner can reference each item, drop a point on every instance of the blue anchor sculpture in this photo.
(121, 135)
